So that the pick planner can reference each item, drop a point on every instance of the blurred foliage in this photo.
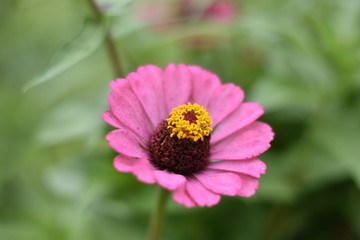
(299, 59)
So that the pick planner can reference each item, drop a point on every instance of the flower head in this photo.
(186, 131)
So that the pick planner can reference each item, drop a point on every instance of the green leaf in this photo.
(81, 46)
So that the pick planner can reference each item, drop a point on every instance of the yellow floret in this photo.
(182, 128)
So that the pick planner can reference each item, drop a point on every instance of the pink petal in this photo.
(204, 84)
(245, 114)
(127, 109)
(125, 142)
(220, 182)
(147, 86)
(224, 101)
(246, 143)
(181, 196)
(111, 119)
(126, 164)
(168, 180)
(140, 167)
(249, 186)
(200, 194)
(252, 167)
(177, 85)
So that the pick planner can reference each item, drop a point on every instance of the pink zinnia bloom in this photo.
(186, 131)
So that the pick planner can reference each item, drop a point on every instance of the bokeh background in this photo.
(300, 59)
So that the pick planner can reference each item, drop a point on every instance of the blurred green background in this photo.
(299, 59)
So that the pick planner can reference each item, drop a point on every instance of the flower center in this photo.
(190, 121)
(181, 144)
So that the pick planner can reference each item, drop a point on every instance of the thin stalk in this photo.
(109, 43)
(158, 215)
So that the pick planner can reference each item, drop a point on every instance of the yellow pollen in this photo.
(184, 128)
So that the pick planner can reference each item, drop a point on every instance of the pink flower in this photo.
(221, 11)
(169, 14)
(186, 131)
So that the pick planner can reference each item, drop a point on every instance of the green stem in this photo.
(158, 215)
(109, 43)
